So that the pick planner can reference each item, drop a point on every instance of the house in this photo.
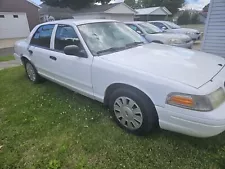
(48, 13)
(24, 6)
(203, 17)
(17, 18)
(153, 13)
(214, 36)
(115, 11)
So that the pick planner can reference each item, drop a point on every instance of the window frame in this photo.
(55, 31)
(35, 31)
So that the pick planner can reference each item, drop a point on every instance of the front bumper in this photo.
(195, 37)
(188, 45)
(192, 123)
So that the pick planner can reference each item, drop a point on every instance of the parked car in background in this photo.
(174, 28)
(153, 34)
(144, 85)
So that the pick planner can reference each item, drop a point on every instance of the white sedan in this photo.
(152, 33)
(144, 85)
(173, 28)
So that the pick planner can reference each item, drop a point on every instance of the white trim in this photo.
(146, 12)
(129, 7)
(207, 23)
(166, 10)
(12, 13)
(33, 3)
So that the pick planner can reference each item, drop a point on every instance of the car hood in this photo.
(168, 36)
(189, 67)
(185, 30)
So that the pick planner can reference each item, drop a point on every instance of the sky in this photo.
(190, 4)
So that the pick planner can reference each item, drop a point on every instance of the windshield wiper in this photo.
(113, 49)
(133, 44)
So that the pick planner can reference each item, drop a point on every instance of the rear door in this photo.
(40, 50)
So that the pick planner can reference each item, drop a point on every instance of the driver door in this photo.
(71, 71)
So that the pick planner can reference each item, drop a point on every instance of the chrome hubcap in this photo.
(30, 72)
(128, 113)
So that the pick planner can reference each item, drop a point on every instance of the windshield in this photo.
(108, 37)
(172, 25)
(149, 28)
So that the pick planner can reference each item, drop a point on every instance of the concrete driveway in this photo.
(8, 43)
(6, 46)
(6, 51)
(8, 64)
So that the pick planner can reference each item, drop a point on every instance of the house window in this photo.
(2, 16)
(15, 16)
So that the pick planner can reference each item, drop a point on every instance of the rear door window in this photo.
(42, 37)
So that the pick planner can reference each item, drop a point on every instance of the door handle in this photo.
(30, 51)
(53, 57)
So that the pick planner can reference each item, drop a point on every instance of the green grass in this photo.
(46, 126)
(6, 58)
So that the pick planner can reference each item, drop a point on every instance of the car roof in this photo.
(159, 21)
(79, 22)
(134, 22)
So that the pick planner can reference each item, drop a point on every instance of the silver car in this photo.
(173, 28)
(153, 34)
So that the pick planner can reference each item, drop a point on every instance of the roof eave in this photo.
(33, 3)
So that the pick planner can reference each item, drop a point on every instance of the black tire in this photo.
(37, 78)
(149, 114)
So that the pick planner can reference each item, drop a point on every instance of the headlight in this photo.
(175, 41)
(190, 33)
(197, 102)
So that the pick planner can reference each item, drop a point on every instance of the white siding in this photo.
(121, 9)
(214, 37)
(88, 16)
(119, 17)
(11, 27)
(159, 11)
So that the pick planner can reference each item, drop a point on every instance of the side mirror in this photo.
(75, 51)
(164, 28)
(140, 33)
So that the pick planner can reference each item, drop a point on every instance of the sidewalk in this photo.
(8, 64)
(8, 43)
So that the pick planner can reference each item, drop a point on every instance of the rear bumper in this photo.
(17, 58)
(205, 124)
(188, 45)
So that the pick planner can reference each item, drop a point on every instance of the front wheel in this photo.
(133, 111)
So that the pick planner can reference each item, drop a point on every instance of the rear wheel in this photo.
(133, 111)
(32, 72)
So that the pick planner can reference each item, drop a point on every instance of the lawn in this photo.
(46, 126)
(6, 58)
